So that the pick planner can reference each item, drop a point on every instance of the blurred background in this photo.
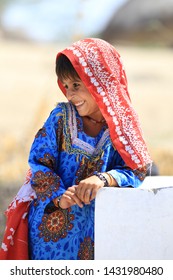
(33, 31)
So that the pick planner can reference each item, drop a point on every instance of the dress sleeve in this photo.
(125, 176)
(43, 159)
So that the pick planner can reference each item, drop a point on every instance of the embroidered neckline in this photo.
(73, 126)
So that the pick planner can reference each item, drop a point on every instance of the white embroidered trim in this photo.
(78, 142)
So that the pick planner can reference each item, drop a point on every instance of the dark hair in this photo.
(64, 68)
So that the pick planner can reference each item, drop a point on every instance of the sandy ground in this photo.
(28, 91)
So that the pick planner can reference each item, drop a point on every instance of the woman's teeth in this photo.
(79, 104)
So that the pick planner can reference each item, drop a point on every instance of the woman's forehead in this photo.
(70, 80)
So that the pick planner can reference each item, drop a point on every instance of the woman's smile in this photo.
(80, 97)
(78, 105)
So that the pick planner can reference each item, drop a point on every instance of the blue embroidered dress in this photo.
(62, 154)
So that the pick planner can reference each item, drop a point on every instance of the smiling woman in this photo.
(92, 141)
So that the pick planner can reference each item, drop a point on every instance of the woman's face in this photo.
(79, 96)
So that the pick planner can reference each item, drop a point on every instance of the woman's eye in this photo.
(66, 86)
(76, 85)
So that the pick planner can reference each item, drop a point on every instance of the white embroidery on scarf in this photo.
(4, 247)
(10, 237)
(25, 193)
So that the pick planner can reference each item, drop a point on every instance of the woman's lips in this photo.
(79, 104)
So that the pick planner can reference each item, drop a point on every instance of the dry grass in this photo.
(28, 92)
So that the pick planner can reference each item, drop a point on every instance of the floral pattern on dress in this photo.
(45, 184)
(86, 250)
(56, 224)
(48, 160)
(87, 168)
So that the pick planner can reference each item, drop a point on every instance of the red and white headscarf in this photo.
(100, 68)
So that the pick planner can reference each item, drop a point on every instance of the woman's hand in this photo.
(69, 198)
(88, 188)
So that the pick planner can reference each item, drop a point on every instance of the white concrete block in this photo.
(135, 223)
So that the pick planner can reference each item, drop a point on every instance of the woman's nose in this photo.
(69, 93)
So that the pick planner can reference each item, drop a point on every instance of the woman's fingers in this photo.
(82, 193)
(87, 188)
(87, 195)
(94, 192)
(77, 200)
(69, 198)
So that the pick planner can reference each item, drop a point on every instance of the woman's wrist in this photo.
(102, 178)
(107, 179)
(111, 181)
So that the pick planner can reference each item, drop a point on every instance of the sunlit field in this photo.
(28, 92)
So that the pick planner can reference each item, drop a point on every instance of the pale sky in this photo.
(46, 20)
